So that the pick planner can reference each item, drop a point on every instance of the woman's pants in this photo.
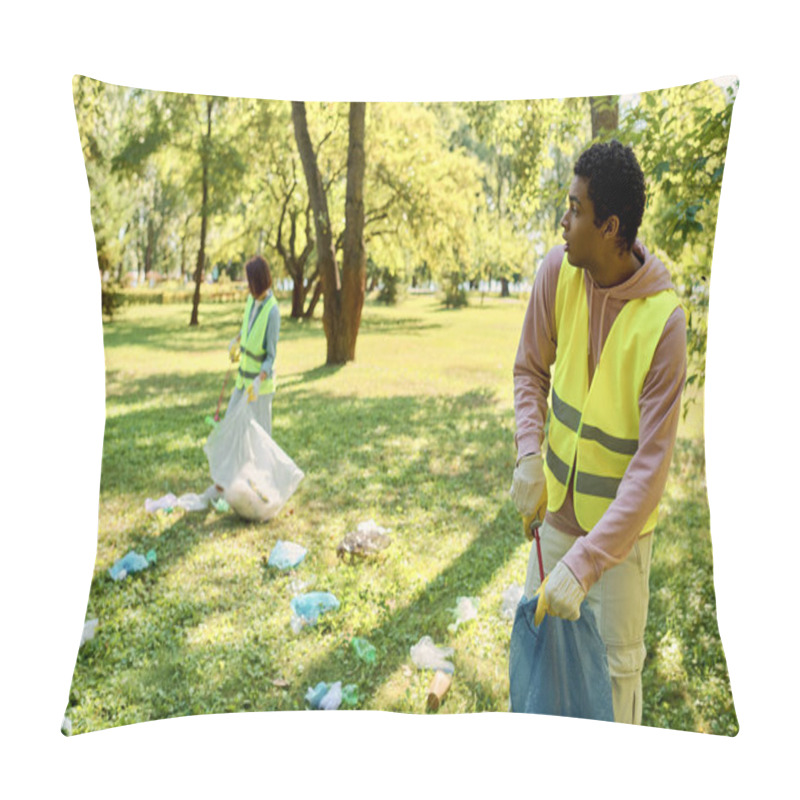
(619, 603)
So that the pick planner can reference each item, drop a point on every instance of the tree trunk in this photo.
(201, 253)
(354, 254)
(326, 257)
(314, 299)
(504, 292)
(605, 115)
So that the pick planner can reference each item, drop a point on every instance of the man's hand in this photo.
(528, 487)
(563, 594)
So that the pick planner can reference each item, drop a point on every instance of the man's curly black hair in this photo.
(616, 186)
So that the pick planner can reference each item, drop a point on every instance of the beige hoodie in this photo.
(610, 541)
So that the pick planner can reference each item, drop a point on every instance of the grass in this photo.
(417, 434)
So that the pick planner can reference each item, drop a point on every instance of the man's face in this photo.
(582, 237)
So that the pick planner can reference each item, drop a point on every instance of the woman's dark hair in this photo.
(616, 186)
(259, 278)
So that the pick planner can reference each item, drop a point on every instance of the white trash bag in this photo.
(258, 477)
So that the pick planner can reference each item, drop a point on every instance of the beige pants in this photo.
(619, 603)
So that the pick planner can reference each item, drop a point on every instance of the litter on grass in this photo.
(66, 726)
(88, 630)
(368, 538)
(308, 607)
(131, 562)
(511, 598)
(286, 554)
(167, 503)
(364, 650)
(329, 697)
(465, 610)
(188, 502)
(426, 655)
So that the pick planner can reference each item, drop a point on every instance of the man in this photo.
(605, 326)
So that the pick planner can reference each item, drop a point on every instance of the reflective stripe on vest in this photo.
(252, 346)
(594, 428)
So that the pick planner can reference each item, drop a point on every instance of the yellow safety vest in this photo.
(594, 429)
(252, 346)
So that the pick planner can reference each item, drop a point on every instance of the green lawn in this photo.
(417, 434)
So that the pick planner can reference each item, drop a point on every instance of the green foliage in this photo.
(680, 136)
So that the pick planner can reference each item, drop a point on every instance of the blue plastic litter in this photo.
(286, 554)
(309, 606)
(131, 562)
(333, 698)
(560, 667)
(314, 696)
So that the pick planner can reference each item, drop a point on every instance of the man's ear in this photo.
(611, 227)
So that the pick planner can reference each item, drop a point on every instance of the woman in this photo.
(257, 341)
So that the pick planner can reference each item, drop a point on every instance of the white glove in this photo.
(252, 391)
(528, 485)
(563, 594)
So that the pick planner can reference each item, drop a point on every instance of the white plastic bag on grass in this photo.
(258, 477)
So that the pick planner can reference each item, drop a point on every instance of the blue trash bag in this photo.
(559, 667)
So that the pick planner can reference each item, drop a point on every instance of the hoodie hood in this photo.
(651, 278)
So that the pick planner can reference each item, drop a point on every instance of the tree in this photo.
(99, 110)
(198, 138)
(605, 116)
(680, 136)
(343, 295)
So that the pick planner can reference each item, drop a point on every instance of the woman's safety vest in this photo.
(594, 429)
(252, 346)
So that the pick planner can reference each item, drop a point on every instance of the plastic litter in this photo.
(131, 562)
(257, 475)
(167, 503)
(308, 607)
(364, 650)
(315, 695)
(511, 597)
(66, 726)
(88, 630)
(221, 505)
(193, 502)
(209, 420)
(368, 538)
(328, 697)
(333, 698)
(465, 610)
(350, 695)
(286, 554)
(426, 655)
(558, 667)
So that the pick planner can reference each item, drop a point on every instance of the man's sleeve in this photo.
(535, 355)
(642, 486)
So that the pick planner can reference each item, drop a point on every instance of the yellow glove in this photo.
(234, 349)
(252, 389)
(537, 518)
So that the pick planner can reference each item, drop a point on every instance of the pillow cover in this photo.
(400, 415)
